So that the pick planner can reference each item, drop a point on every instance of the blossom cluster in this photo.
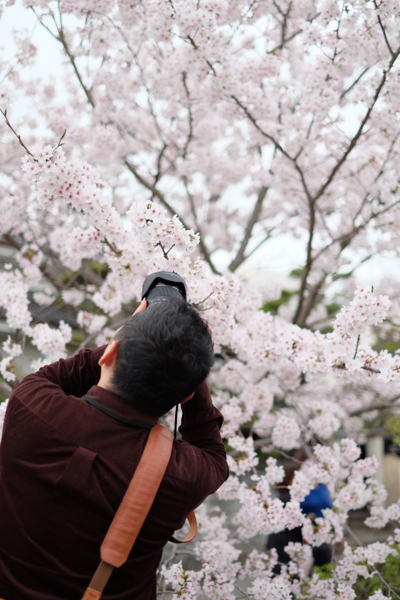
(363, 311)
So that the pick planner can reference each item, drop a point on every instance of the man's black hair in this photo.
(164, 354)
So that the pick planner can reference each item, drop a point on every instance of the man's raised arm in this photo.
(73, 376)
(201, 422)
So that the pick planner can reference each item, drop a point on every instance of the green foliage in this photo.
(273, 305)
(228, 448)
(393, 424)
(95, 266)
(333, 308)
(388, 345)
(264, 456)
(324, 572)
(100, 268)
(366, 586)
(390, 571)
(78, 337)
(297, 272)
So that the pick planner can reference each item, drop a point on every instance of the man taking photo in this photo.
(66, 461)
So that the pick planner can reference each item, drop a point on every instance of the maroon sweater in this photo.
(64, 468)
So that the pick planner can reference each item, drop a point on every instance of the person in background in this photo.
(312, 506)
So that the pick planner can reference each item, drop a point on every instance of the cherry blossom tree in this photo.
(195, 132)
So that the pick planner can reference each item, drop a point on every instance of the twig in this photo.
(370, 369)
(353, 535)
(87, 91)
(190, 134)
(289, 457)
(359, 542)
(60, 37)
(385, 583)
(355, 353)
(202, 301)
(342, 95)
(243, 592)
(60, 141)
(4, 113)
(113, 247)
(165, 252)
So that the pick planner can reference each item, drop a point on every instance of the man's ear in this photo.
(110, 354)
(187, 398)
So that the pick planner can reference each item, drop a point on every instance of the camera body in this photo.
(162, 286)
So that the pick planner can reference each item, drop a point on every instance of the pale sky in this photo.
(278, 256)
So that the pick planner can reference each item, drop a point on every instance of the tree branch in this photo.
(384, 32)
(298, 316)
(276, 144)
(291, 37)
(342, 95)
(310, 303)
(87, 91)
(360, 130)
(169, 208)
(133, 169)
(4, 113)
(240, 257)
(62, 39)
(381, 406)
(190, 134)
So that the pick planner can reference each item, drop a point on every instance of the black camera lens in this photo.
(162, 286)
(162, 292)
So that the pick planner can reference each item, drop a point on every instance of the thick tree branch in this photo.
(384, 31)
(240, 257)
(310, 302)
(87, 91)
(360, 130)
(389, 404)
(309, 262)
(277, 145)
(291, 37)
(285, 16)
(48, 271)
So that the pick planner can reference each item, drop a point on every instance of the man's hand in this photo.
(142, 306)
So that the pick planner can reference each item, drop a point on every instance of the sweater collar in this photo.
(119, 405)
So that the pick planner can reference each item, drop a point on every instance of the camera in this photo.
(162, 286)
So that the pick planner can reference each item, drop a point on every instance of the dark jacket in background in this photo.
(64, 468)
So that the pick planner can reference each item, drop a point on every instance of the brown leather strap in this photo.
(91, 594)
(134, 509)
(98, 582)
(192, 530)
(138, 498)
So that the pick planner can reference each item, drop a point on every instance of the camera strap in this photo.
(134, 509)
(116, 416)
